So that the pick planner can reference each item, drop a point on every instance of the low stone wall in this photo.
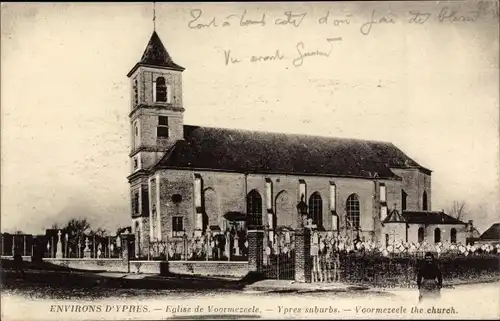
(110, 265)
(8, 257)
(210, 268)
(206, 268)
(152, 267)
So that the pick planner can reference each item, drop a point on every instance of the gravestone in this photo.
(59, 253)
(86, 250)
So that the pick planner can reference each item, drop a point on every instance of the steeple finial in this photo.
(154, 16)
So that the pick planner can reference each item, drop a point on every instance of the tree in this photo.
(100, 232)
(76, 228)
(458, 210)
(121, 230)
(18, 232)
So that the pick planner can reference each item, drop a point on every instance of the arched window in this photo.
(254, 208)
(453, 235)
(437, 235)
(424, 201)
(160, 90)
(353, 213)
(421, 235)
(316, 209)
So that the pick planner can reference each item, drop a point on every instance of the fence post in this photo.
(207, 245)
(303, 262)
(255, 249)
(125, 250)
(228, 245)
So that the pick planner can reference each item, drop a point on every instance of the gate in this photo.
(279, 256)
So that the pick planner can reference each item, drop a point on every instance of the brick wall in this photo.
(303, 259)
(396, 233)
(172, 78)
(153, 204)
(414, 184)
(393, 200)
(148, 122)
(228, 194)
(445, 232)
(148, 118)
(255, 250)
(223, 192)
(142, 242)
(234, 269)
(111, 265)
(176, 182)
(152, 267)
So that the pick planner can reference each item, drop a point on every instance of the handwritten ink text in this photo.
(248, 22)
(447, 15)
(299, 61)
(294, 19)
(418, 17)
(367, 26)
(229, 59)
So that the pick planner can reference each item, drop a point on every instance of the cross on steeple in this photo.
(154, 16)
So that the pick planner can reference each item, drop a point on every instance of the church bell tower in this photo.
(156, 116)
(156, 121)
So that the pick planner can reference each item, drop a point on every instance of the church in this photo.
(187, 180)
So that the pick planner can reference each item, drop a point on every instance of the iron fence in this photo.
(211, 246)
(338, 259)
(279, 256)
(54, 246)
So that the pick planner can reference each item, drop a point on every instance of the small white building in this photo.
(419, 226)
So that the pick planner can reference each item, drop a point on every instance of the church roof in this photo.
(156, 55)
(429, 217)
(244, 151)
(493, 233)
(394, 217)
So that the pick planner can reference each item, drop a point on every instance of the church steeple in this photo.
(155, 55)
(156, 115)
(156, 123)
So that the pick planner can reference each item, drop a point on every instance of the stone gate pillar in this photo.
(303, 261)
(255, 239)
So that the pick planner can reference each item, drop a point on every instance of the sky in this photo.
(424, 76)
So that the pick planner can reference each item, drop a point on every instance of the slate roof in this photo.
(394, 217)
(156, 55)
(429, 217)
(247, 151)
(493, 233)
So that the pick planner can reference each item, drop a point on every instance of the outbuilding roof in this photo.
(493, 233)
(429, 217)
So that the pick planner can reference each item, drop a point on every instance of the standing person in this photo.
(18, 263)
(336, 266)
(429, 278)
